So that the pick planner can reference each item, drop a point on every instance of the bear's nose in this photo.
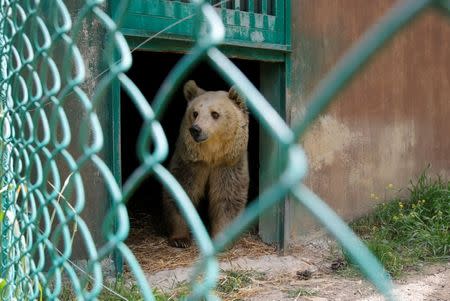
(195, 131)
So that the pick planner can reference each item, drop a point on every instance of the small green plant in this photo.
(234, 280)
(230, 283)
(119, 290)
(408, 231)
(178, 293)
(301, 292)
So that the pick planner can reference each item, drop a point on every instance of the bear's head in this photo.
(214, 116)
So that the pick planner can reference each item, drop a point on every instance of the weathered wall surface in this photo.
(90, 43)
(389, 123)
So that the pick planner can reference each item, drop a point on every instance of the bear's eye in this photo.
(215, 115)
(195, 114)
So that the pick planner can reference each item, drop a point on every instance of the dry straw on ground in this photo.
(154, 254)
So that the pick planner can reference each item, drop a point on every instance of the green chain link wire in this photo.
(41, 181)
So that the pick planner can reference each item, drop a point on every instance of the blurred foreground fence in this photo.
(42, 188)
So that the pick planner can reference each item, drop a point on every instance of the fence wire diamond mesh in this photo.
(43, 156)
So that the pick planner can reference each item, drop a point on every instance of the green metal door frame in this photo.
(274, 79)
(114, 156)
(243, 51)
(272, 224)
(258, 26)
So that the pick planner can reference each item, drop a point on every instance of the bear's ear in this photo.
(234, 95)
(191, 90)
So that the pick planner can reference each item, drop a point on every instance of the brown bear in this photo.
(210, 159)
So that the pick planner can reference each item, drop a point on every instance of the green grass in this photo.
(128, 291)
(407, 232)
(301, 292)
(229, 283)
(234, 280)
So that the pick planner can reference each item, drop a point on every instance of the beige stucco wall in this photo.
(389, 123)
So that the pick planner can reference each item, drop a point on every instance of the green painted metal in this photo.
(242, 50)
(144, 18)
(114, 155)
(273, 87)
(43, 193)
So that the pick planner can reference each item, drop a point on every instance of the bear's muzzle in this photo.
(197, 133)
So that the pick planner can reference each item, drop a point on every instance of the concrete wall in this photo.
(90, 43)
(389, 123)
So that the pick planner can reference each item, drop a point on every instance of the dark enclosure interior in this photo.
(148, 72)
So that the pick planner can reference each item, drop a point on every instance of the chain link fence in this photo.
(42, 183)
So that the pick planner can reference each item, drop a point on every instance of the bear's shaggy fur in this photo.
(210, 159)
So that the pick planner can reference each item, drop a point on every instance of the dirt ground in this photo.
(307, 272)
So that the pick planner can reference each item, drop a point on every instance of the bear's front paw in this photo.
(181, 242)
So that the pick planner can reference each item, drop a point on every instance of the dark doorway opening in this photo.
(148, 72)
